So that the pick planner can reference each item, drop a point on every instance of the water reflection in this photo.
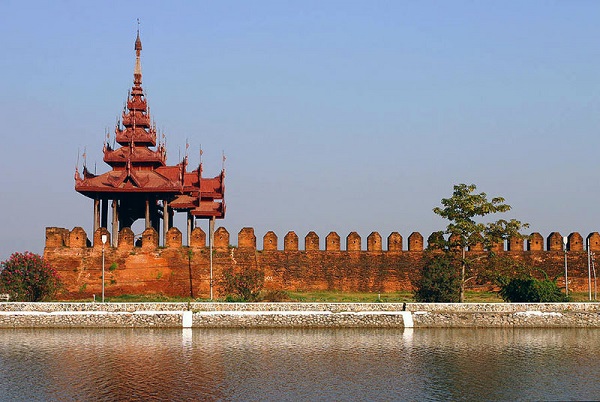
(349, 364)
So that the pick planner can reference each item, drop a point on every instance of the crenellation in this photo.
(98, 237)
(311, 242)
(575, 242)
(221, 239)
(394, 242)
(56, 237)
(332, 242)
(78, 238)
(455, 241)
(498, 246)
(149, 239)
(515, 243)
(270, 241)
(555, 242)
(478, 246)
(198, 238)
(126, 239)
(174, 238)
(290, 241)
(374, 242)
(435, 240)
(415, 242)
(353, 242)
(535, 242)
(593, 240)
(247, 239)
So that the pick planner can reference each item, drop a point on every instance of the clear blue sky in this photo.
(334, 115)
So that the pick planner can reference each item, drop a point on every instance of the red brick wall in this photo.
(150, 269)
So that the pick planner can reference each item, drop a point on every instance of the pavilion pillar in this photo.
(96, 214)
(166, 221)
(148, 223)
(190, 227)
(115, 224)
(104, 214)
(171, 215)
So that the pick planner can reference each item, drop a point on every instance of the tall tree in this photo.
(461, 210)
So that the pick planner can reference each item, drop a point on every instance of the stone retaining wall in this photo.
(299, 315)
(197, 307)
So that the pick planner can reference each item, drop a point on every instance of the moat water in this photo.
(315, 365)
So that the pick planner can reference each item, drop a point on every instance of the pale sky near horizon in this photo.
(334, 115)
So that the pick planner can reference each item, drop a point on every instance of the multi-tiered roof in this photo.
(139, 170)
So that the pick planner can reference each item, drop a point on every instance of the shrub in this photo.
(244, 285)
(27, 277)
(439, 281)
(276, 296)
(529, 289)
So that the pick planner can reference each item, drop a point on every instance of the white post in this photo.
(587, 246)
(565, 239)
(104, 238)
(211, 239)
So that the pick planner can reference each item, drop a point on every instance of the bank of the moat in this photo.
(299, 315)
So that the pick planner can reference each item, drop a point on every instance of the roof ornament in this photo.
(200, 175)
(77, 177)
(137, 72)
(106, 140)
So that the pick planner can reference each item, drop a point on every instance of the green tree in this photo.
(27, 277)
(439, 282)
(461, 210)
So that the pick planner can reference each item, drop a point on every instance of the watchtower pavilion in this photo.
(140, 185)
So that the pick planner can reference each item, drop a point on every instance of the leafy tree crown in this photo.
(464, 206)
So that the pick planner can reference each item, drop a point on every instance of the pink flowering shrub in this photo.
(27, 277)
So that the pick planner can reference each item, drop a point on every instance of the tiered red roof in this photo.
(139, 165)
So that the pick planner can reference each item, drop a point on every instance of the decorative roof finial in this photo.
(137, 72)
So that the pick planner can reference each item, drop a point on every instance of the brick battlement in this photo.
(77, 238)
(141, 266)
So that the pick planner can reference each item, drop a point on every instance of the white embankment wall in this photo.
(298, 315)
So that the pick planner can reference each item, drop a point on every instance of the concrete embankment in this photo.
(298, 315)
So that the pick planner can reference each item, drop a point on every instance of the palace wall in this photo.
(374, 264)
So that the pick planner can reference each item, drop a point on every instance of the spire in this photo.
(137, 72)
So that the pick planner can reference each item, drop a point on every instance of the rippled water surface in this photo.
(348, 364)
